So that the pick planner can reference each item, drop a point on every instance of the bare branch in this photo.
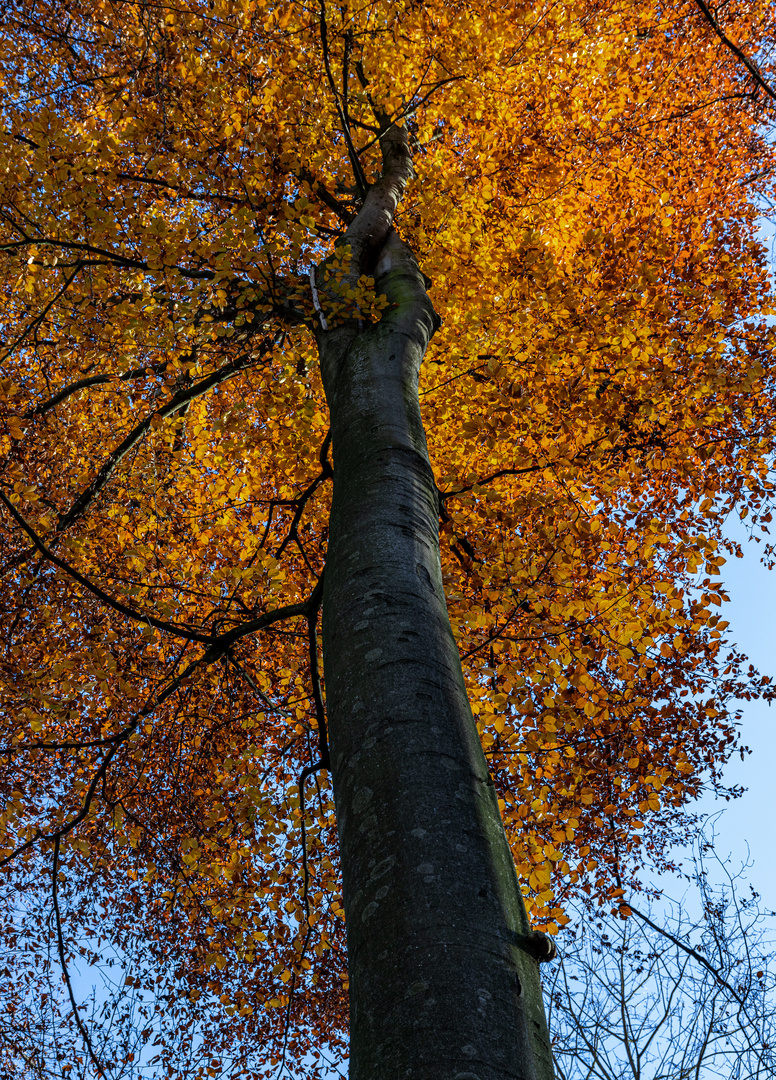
(63, 962)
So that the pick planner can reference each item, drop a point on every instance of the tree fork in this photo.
(444, 978)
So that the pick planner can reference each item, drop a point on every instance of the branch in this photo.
(688, 949)
(315, 676)
(579, 458)
(85, 383)
(409, 110)
(323, 457)
(355, 161)
(300, 503)
(320, 191)
(260, 693)
(36, 322)
(308, 771)
(694, 954)
(494, 476)
(113, 258)
(518, 607)
(63, 962)
(219, 647)
(187, 193)
(178, 401)
(138, 616)
(750, 66)
(224, 642)
(63, 830)
(182, 397)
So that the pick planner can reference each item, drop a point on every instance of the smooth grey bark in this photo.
(442, 983)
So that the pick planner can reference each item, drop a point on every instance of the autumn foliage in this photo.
(598, 400)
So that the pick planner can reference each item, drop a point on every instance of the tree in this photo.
(214, 219)
(685, 992)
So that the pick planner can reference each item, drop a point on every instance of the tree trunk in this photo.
(442, 983)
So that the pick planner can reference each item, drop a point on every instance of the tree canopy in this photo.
(177, 183)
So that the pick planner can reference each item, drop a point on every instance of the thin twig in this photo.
(63, 961)
(308, 771)
(250, 681)
(518, 607)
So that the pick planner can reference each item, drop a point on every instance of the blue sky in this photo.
(752, 615)
(745, 829)
(750, 820)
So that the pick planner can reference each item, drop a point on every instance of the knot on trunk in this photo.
(540, 946)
